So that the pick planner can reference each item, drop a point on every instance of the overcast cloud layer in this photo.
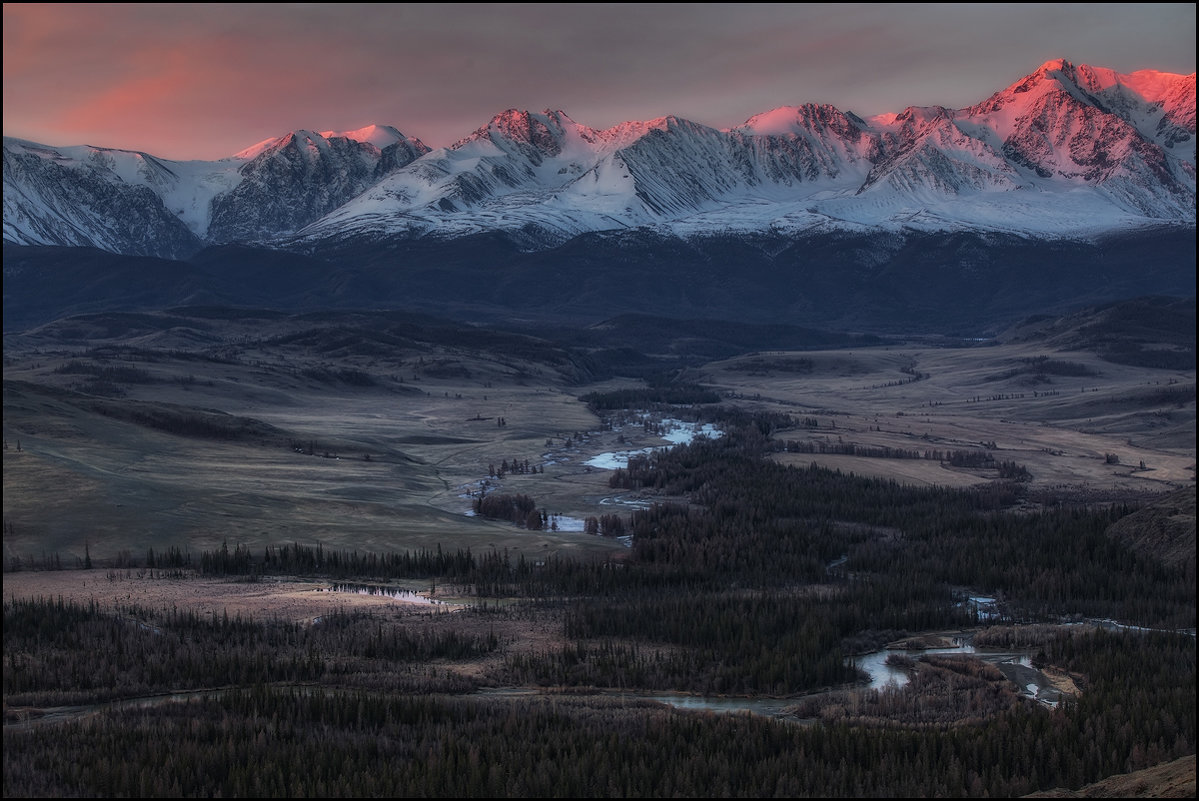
(205, 81)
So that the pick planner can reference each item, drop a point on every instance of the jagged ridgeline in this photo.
(1073, 185)
(1021, 161)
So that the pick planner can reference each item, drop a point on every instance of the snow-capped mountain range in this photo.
(1068, 151)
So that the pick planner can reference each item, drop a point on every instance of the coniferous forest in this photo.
(750, 578)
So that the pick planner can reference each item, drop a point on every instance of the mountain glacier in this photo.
(1068, 151)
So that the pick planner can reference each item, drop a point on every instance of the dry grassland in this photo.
(1061, 428)
(392, 462)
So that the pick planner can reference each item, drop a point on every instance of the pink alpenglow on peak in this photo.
(378, 135)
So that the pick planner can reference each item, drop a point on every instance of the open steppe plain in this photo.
(1112, 431)
(184, 432)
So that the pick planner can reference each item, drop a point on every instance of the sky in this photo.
(204, 81)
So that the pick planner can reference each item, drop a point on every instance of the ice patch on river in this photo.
(883, 675)
(565, 523)
(613, 460)
(676, 432)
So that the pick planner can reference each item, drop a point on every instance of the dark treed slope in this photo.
(964, 284)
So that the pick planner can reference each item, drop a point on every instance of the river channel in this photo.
(1015, 665)
(672, 430)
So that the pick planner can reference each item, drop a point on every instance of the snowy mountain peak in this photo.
(625, 133)
(915, 118)
(1055, 65)
(1114, 91)
(797, 120)
(545, 131)
(378, 135)
(529, 137)
(776, 122)
(255, 150)
(1053, 76)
